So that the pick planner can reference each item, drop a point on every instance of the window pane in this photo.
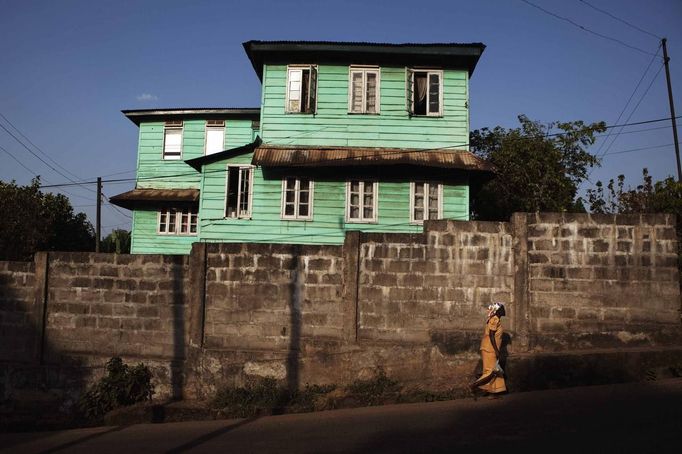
(419, 93)
(354, 212)
(172, 145)
(289, 209)
(367, 212)
(434, 93)
(304, 196)
(162, 222)
(355, 186)
(303, 210)
(371, 94)
(304, 185)
(171, 221)
(215, 138)
(354, 199)
(356, 92)
(369, 187)
(294, 100)
(418, 214)
(419, 188)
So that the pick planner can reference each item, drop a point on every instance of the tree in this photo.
(661, 197)
(118, 241)
(536, 170)
(34, 221)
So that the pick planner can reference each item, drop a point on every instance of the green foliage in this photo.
(34, 221)
(118, 241)
(536, 171)
(266, 395)
(376, 391)
(123, 385)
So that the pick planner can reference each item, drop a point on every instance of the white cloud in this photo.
(147, 97)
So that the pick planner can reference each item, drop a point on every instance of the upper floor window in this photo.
(425, 92)
(361, 201)
(178, 221)
(363, 91)
(425, 201)
(215, 136)
(172, 140)
(238, 192)
(301, 89)
(297, 198)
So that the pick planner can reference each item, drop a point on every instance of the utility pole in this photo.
(99, 213)
(672, 106)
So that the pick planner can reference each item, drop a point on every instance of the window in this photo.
(172, 140)
(361, 201)
(363, 91)
(424, 92)
(425, 201)
(297, 198)
(178, 221)
(215, 136)
(238, 191)
(301, 89)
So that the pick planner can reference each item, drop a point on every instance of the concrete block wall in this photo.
(415, 288)
(269, 296)
(17, 296)
(602, 280)
(112, 304)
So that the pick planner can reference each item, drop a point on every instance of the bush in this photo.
(123, 385)
(377, 391)
(267, 396)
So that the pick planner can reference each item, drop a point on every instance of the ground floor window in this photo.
(361, 201)
(238, 191)
(178, 221)
(425, 201)
(297, 198)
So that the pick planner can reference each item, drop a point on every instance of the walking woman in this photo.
(491, 381)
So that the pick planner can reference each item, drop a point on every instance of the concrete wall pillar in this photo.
(521, 307)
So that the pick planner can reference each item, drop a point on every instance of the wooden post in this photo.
(99, 213)
(672, 106)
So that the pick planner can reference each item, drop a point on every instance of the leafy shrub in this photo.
(123, 385)
(376, 391)
(266, 395)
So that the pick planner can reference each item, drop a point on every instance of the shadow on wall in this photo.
(295, 319)
(39, 387)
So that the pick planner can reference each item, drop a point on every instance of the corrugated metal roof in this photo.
(138, 197)
(282, 156)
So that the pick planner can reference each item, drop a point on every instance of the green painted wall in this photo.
(145, 240)
(328, 225)
(392, 127)
(155, 172)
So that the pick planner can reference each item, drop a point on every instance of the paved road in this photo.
(639, 418)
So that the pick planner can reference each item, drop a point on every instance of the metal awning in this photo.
(287, 156)
(154, 197)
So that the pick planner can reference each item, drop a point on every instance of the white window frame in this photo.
(409, 91)
(297, 192)
(312, 93)
(364, 70)
(191, 212)
(172, 126)
(375, 202)
(241, 167)
(426, 184)
(214, 127)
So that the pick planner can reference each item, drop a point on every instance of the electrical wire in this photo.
(620, 20)
(566, 19)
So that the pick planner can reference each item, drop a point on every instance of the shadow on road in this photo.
(210, 436)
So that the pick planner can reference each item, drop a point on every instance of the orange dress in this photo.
(496, 384)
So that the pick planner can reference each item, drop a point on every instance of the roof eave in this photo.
(137, 116)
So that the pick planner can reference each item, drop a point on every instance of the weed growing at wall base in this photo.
(123, 385)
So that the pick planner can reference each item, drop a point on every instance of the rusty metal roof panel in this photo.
(138, 197)
(280, 156)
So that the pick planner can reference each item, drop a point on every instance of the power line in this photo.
(20, 163)
(620, 20)
(37, 147)
(42, 160)
(158, 177)
(639, 149)
(629, 99)
(566, 19)
(635, 108)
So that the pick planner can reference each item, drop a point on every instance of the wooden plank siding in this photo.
(328, 225)
(155, 172)
(392, 127)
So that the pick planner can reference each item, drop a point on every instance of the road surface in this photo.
(637, 417)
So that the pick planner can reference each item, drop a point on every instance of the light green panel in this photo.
(328, 225)
(155, 172)
(392, 127)
(145, 240)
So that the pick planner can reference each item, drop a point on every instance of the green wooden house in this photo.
(349, 136)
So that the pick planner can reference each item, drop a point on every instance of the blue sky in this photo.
(70, 67)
